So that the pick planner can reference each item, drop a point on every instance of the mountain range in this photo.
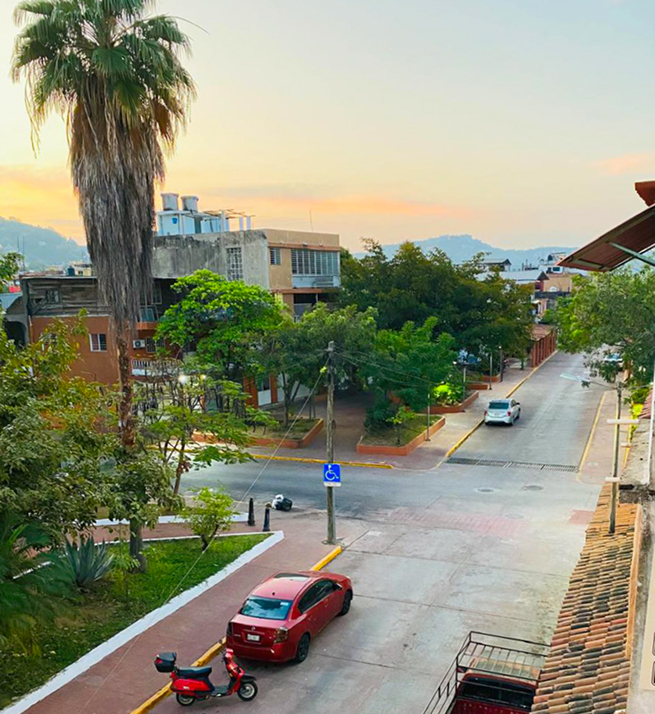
(463, 247)
(40, 247)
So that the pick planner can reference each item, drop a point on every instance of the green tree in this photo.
(406, 367)
(9, 264)
(211, 513)
(612, 312)
(174, 406)
(297, 350)
(57, 434)
(116, 76)
(223, 321)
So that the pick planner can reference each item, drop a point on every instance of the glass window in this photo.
(498, 405)
(53, 296)
(151, 346)
(98, 342)
(234, 264)
(156, 293)
(310, 598)
(314, 262)
(275, 256)
(266, 608)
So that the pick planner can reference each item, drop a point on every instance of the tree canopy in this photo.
(611, 312)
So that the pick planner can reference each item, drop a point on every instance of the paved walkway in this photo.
(126, 678)
(350, 415)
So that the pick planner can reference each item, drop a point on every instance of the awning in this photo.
(622, 243)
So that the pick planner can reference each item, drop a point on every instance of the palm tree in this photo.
(115, 75)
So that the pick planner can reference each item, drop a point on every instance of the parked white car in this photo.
(502, 411)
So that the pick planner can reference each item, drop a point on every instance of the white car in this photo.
(502, 411)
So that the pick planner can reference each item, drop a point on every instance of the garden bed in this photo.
(454, 408)
(302, 433)
(89, 619)
(412, 434)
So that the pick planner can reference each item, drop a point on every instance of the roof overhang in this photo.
(618, 246)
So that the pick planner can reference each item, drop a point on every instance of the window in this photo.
(156, 293)
(266, 608)
(53, 296)
(98, 342)
(314, 262)
(234, 264)
(315, 594)
(147, 314)
(275, 256)
(151, 346)
(498, 405)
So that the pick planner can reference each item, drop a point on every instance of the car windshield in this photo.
(498, 405)
(266, 608)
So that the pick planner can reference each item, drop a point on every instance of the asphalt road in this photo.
(442, 552)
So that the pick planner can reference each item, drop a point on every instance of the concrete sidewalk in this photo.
(125, 679)
(351, 413)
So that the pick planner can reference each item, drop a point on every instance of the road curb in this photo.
(209, 655)
(359, 464)
(519, 384)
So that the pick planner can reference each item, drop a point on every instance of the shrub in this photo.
(447, 394)
(84, 564)
(212, 512)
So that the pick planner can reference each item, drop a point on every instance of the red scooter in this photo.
(192, 684)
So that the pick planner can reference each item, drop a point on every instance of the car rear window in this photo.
(498, 405)
(267, 608)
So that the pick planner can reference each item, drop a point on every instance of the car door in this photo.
(326, 604)
(310, 622)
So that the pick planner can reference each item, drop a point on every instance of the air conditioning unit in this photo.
(139, 344)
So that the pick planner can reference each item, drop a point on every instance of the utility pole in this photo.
(329, 492)
(491, 366)
(427, 433)
(615, 460)
(502, 364)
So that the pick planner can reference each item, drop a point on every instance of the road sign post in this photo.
(331, 475)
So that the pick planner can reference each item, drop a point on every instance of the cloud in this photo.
(626, 164)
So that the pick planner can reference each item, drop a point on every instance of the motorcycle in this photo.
(192, 684)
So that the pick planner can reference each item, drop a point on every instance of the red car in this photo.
(280, 617)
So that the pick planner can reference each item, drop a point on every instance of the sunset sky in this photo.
(520, 122)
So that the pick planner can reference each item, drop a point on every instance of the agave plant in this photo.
(84, 563)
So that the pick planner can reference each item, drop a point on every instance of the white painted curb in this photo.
(124, 636)
(236, 518)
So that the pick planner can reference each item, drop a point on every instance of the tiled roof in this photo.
(587, 670)
(539, 331)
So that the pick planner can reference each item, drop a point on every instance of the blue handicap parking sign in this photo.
(332, 474)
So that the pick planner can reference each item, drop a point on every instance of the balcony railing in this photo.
(316, 281)
(154, 367)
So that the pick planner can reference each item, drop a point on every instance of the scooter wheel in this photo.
(184, 700)
(247, 691)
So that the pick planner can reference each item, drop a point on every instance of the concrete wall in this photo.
(178, 256)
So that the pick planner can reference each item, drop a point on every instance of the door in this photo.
(307, 605)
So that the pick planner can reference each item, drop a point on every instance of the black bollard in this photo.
(267, 518)
(251, 512)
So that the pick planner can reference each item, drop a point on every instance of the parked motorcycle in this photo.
(192, 684)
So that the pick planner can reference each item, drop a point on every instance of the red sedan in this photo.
(280, 617)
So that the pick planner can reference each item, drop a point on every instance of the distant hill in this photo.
(41, 247)
(461, 248)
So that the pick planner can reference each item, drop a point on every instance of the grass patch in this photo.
(91, 618)
(388, 436)
(279, 431)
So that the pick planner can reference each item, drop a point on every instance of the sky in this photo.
(522, 122)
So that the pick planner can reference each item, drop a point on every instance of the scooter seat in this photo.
(194, 672)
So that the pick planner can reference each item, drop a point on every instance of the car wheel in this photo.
(518, 416)
(247, 691)
(184, 700)
(303, 648)
(347, 600)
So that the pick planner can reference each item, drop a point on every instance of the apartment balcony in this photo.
(315, 281)
(155, 368)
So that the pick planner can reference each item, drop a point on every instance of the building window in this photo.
(276, 258)
(314, 262)
(98, 342)
(234, 264)
(151, 345)
(53, 296)
(156, 293)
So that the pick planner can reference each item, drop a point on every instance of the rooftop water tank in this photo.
(190, 203)
(169, 201)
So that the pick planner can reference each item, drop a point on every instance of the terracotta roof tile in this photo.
(587, 671)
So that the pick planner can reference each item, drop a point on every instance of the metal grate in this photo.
(463, 461)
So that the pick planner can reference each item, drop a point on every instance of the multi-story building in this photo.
(302, 268)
